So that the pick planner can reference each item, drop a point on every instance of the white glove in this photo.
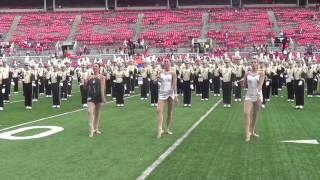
(69, 84)
(61, 84)
(159, 83)
(33, 84)
(210, 80)
(191, 86)
(3, 90)
(149, 79)
(125, 87)
(114, 81)
(236, 83)
(267, 83)
(281, 75)
(315, 79)
(12, 83)
(49, 82)
(131, 77)
(39, 83)
(181, 81)
(300, 83)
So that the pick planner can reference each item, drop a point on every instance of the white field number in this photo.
(10, 135)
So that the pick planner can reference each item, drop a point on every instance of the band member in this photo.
(28, 81)
(96, 89)
(239, 73)
(206, 78)
(298, 74)
(15, 76)
(1, 87)
(55, 79)
(227, 83)
(35, 86)
(70, 73)
(197, 78)
(144, 82)
(154, 72)
(290, 81)
(133, 73)
(216, 79)
(310, 77)
(47, 82)
(118, 84)
(126, 81)
(186, 76)
(64, 82)
(41, 80)
(6, 82)
(83, 74)
(167, 95)
(268, 76)
(275, 70)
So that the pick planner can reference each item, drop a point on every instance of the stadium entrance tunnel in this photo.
(10, 135)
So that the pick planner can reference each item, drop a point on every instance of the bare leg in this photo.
(160, 117)
(247, 107)
(255, 111)
(91, 109)
(169, 116)
(97, 118)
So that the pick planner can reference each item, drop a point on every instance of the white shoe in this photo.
(54, 106)
(224, 105)
(58, 106)
(206, 99)
(156, 105)
(229, 105)
(239, 100)
(254, 134)
(263, 106)
(118, 105)
(202, 99)
(167, 131)
(218, 94)
(289, 100)
(160, 132)
(84, 105)
(185, 105)
(145, 98)
(214, 94)
(189, 105)
(16, 92)
(297, 107)
(108, 95)
(267, 99)
(152, 105)
(141, 98)
(236, 100)
(301, 107)
(98, 132)
(1, 108)
(114, 98)
(121, 105)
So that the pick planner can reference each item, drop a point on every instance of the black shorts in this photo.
(96, 99)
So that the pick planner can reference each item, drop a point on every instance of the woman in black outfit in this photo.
(96, 87)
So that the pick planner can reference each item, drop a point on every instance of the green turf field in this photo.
(128, 146)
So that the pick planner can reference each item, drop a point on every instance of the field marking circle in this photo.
(9, 135)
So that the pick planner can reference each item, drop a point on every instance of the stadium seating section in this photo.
(165, 28)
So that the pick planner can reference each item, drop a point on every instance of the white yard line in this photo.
(57, 115)
(163, 156)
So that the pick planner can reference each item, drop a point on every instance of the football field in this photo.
(207, 142)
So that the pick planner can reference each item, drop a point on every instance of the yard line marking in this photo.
(57, 115)
(11, 102)
(311, 141)
(163, 156)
